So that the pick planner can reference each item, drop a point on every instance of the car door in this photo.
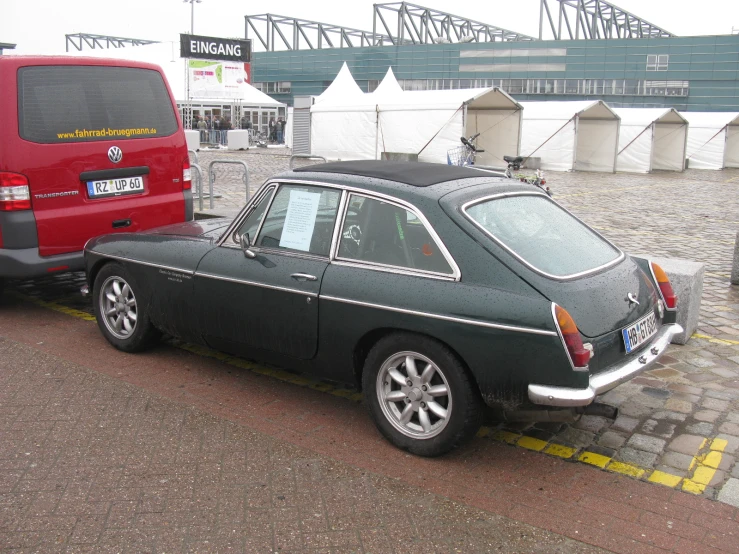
(270, 301)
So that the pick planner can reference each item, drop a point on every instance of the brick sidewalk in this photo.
(599, 508)
(89, 463)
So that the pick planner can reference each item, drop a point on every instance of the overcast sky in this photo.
(39, 26)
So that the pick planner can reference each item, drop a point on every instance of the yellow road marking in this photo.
(705, 464)
(594, 459)
(54, 306)
(531, 443)
(506, 436)
(719, 444)
(560, 451)
(662, 478)
(626, 469)
(715, 340)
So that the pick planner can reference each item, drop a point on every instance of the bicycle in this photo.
(538, 180)
(464, 155)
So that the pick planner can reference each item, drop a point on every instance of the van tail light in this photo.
(186, 175)
(14, 192)
(665, 287)
(579, 355)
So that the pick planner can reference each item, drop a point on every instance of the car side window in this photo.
(301, 219)
(251, 223)
(387, 234)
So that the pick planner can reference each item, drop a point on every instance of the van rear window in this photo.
(90, 103)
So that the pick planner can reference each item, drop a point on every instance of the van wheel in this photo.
(420, 395)
(120, 312)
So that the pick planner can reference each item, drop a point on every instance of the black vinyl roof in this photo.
(417, 174)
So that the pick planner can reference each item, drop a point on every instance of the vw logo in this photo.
(114, 154)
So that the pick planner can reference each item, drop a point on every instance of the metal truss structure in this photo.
(420, 25)
(278, 32)
(81, 40)
(594, 19)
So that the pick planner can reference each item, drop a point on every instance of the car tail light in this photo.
(579, 355)
(664, 286)
(14, 192)
(186, 175)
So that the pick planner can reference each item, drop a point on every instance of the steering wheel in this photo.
(350, 240)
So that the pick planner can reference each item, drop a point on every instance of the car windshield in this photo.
(542, 234)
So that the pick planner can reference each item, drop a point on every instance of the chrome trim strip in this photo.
(362, 264)
(442, 317)
(455, 275)
(562, 340)
(253, 283)
(150, 264)
(545, 395)
(290, 253)
(338, 225)
(621, 256)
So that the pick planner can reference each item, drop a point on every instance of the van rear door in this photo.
(102, 147)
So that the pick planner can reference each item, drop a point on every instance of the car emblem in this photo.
(114, 154)
(632, 299)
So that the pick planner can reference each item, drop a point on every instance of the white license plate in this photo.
(115, 187)
(640, 332)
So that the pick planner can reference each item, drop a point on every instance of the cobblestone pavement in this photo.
(678, 425)
(92, 464)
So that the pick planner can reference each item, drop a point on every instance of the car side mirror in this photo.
(246, 246)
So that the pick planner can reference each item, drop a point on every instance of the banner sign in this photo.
(214, 79)
(214, 48)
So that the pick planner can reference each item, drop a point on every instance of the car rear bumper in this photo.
(24, 263)
(566, 397)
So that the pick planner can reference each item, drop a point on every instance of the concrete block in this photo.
(238, 139)
(735, 267)
(193, 140)
(686, 277)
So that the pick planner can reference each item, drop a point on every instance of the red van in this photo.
(88, 146)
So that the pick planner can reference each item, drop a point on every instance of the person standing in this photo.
(225, 126)
(280, 130)
(272, 130)
(202, 126)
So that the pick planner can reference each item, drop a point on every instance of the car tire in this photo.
(436, 408)
(121, 310)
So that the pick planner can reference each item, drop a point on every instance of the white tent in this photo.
(167, 56)
(581, 135)
(426, 123)
(713, 139)
(651, 139)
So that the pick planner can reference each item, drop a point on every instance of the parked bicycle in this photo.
(538, 180)
(464, 155)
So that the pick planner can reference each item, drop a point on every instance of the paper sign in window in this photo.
(300, 220)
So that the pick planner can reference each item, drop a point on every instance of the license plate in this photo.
(115, 187)
(640, 332)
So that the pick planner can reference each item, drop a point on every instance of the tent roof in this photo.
(389, 85)
(647, 116)
(167, 56)
(342, 88)
(562, 110)
(711, 120)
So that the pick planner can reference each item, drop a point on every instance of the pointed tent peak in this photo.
(647, 116)
(343, 86)
(389, 85)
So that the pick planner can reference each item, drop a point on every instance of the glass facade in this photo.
(687, 73)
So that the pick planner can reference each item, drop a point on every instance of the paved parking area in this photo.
(678, 426)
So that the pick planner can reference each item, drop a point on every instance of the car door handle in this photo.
(304, 277)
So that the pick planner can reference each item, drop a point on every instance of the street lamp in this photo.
(192, 13)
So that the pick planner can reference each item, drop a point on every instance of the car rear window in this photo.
(543, 235)
(90, 103)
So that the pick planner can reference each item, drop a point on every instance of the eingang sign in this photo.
(214, 48)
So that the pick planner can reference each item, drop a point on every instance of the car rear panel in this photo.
(66, 214)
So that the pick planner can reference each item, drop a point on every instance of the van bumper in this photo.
(24, 263)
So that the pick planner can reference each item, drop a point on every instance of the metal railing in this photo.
(305, 157)
(194, 156)
(198, 183)
(212, 176)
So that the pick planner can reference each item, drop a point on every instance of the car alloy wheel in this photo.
(118, 307)
(414, 395)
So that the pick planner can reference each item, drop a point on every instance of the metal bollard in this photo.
(212, 176)
(735, 267)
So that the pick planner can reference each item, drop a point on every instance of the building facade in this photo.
(686, 73)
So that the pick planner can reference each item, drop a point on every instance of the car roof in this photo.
(415, 174)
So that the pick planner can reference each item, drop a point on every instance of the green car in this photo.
(438, 290)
